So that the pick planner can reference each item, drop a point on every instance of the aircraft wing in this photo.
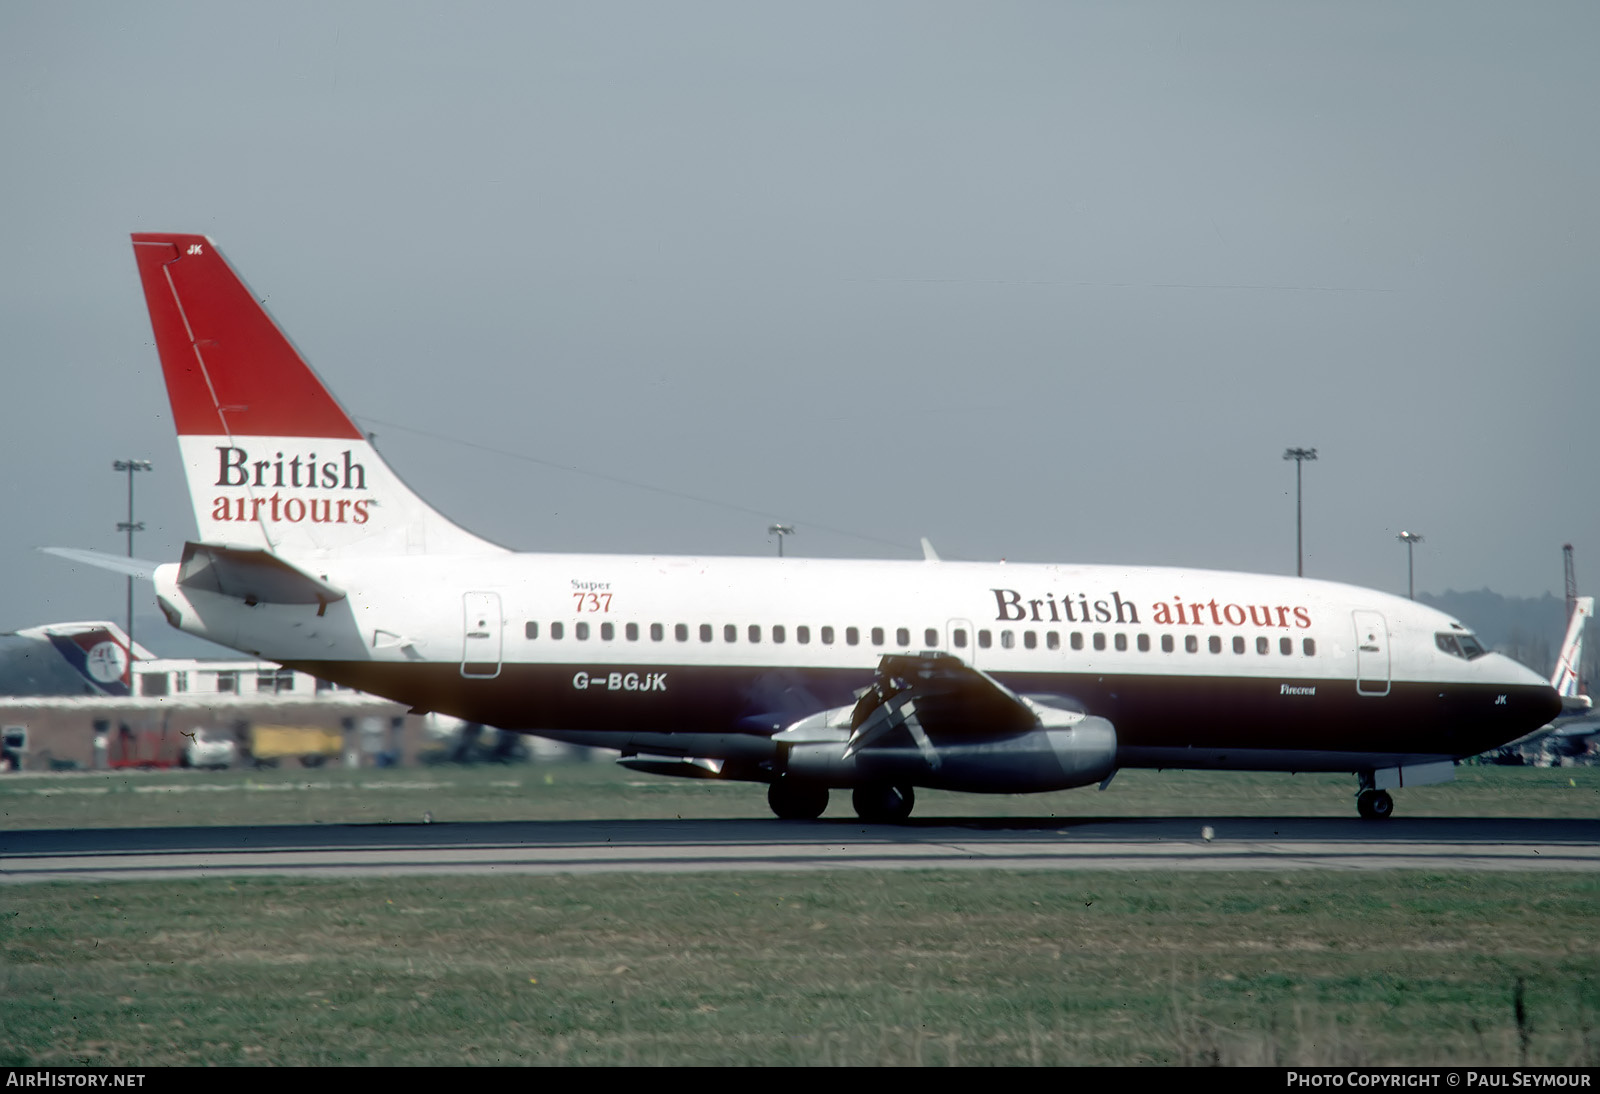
(935, 699)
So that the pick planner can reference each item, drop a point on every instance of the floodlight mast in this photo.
(780, 530)
(1410, 539)
(130, 526)
(1299, 456)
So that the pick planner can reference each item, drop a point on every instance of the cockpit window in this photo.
(1461, 645)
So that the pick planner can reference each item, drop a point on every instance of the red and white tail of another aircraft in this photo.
(803, 674)
(1566, 678)
(1574, 730)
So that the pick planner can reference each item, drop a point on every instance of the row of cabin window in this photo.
(930, 637)
(1169, 644)
(730, 633)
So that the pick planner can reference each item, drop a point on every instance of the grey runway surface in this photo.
(682, 846)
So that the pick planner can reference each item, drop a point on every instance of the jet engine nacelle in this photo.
(1047, 758)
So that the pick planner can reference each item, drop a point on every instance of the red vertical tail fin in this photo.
(272, 459)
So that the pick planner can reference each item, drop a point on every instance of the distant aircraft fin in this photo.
(99, 651)
(928, 552)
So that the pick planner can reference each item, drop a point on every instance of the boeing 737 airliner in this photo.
(806, 675)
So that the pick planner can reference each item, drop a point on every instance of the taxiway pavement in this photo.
(681, 846)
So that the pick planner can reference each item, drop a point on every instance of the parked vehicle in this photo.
(311, 745)
(210, 749)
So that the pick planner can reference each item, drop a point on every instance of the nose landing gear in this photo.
(1374, 804)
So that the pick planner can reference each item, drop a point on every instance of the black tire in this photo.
(881, 803)
(791, 800)
(1375, 805)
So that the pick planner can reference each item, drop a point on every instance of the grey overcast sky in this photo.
(1044, 282)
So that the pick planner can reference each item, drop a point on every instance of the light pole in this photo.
(1410, 539)
(1299, 456)
(130, 527)
(781, 530)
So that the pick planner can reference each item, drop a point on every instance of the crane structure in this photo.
(1572, 579)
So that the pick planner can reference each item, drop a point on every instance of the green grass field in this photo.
(603, 790)
(856, 968)
(845, 967)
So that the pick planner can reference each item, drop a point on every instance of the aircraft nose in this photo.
(1535, 698)
(1550, 704)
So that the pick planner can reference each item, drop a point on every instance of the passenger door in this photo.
(480, 645)
(1372, 653)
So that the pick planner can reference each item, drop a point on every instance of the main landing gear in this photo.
(794, 800)
(881, 803)
(877, 803)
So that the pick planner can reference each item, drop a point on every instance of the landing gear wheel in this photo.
(1375, 804)
(883, 804)
(792, 800)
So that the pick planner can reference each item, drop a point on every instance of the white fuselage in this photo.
(620, 649)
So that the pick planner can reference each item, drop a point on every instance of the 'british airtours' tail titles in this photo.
(234, 469)
(1077, 608)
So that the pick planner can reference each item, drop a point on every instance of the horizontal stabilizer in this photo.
(255, 577)
(101, 560)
